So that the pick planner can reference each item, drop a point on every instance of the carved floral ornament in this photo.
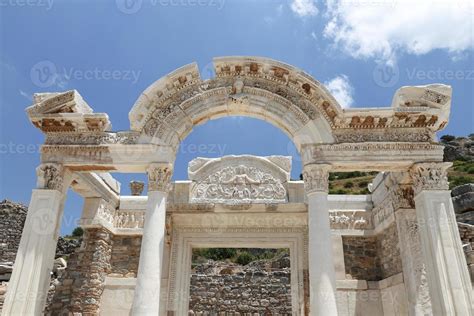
(159, 177)
(430, 176)
(316, 178)
(50, 176)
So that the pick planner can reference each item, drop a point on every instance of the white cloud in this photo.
(25, 95)
(383, 29)
(341, 89)
(304, 7)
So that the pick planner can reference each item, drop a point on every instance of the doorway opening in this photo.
(240, 281)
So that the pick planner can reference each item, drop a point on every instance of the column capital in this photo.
(159, 176)
(430, 176)
(316, 178)
(50, 176)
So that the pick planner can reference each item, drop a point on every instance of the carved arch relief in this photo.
(167, 111)
(261, 88)
(285, 97)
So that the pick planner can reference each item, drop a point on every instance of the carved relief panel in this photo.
(239, 179)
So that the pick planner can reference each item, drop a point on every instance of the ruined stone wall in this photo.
(463, 202)
(360, 258)
(125, 256)
(388, 250)
(80, 288)
(12, 220)
(372, 258)
(240, 289)
(466, 232)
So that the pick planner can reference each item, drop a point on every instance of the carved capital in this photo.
(50, 176)
(430, 176)
(159, 177)
(316, 178)
(136, 187)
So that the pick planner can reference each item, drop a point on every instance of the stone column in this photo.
(447, 275)
(396, 193)
(322, 276)
(146, 300)
(29, 283)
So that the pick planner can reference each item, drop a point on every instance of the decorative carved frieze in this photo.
(414, 269)
(106, 212)
(239, 180)
(358, 155)
(394, 135)
(237, 184)
(430, 176)
(92, 138)
(316, 178)
(50, 176)
(350, 220)
(65, 112)
(128, 219)
(159, 177)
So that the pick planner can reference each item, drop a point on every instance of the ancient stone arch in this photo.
(80, 151)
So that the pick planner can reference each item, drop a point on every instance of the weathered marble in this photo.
(248, 200)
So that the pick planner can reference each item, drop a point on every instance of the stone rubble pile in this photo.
(222, 288)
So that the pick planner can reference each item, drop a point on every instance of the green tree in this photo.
(447, 138)
(244, 258)
(78, 232)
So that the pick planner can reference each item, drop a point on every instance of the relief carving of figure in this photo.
(239, 183)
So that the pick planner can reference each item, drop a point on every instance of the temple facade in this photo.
(395, 251)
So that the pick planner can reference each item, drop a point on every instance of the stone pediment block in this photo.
(65, 112)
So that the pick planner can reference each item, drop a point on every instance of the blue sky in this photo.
(363, 50)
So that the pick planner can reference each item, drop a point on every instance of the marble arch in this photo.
(80, 151)
(256, 87)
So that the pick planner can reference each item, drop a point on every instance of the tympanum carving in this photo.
(239, 179)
